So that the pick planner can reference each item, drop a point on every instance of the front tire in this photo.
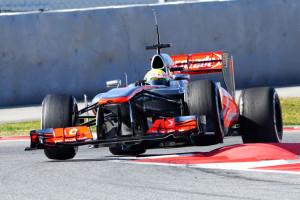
(261, 119)
(58, 112)
(203, 98)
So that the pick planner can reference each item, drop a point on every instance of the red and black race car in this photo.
(137, 117)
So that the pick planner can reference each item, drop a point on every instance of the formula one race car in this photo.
(165, 111)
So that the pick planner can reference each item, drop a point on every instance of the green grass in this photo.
(18, 128)
(290, 112)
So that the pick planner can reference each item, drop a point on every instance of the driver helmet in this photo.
(157, 77)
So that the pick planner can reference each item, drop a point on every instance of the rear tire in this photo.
(58, 112)
(203, 98)
(133, 150)
(261, 119)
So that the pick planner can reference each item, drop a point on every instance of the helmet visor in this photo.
(158, 82)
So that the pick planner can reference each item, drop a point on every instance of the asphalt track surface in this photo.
(95, 174)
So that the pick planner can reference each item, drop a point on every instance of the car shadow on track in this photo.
(122, 158)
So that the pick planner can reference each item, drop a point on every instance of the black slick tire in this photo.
(58, 112)
(260, 119)
(202, 98)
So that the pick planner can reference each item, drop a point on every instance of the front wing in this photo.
(161, 129)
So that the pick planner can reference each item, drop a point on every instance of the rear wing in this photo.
(205, 63)
(198, 63)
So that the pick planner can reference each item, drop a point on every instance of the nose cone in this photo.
(97, 98)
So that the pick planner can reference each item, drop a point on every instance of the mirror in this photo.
(113, 83)
(181, 77)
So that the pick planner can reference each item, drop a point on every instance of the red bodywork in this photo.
(171, 125)
(229, 108)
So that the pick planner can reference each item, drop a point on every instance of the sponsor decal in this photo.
(73, 132)
(199, 60)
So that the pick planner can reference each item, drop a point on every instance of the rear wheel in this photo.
(203, 98)
(132, 150)
(58, 112)
(261, 119)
